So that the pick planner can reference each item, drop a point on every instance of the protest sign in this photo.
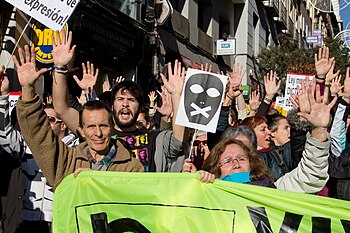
(201, 100)
(53, 14)
(293, 81)
(279, 106)
(97, 201)
(13, 97)
(42, 42)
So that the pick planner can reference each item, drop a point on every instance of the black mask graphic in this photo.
(203, 94)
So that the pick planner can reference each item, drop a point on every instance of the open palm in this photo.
(176, 79)
(26, 67)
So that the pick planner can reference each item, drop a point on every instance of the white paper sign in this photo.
(226, 47)
(293, 80)
(13, 97)
(52, 13)
(201, 100)
(279, 101)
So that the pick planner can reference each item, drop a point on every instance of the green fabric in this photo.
(179, 202)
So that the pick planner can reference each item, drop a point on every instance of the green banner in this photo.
(100, 202)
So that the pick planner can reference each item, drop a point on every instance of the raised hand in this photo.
(176, 79)
(62, 52)
(106, 86)
(235, 80)
(49, 99)
(152, 97)
(271, 87)
(254, 101)
(330, 74)
(319, 115)
(206, 68)
(89, 79)
(322, 62)
(26, 67)
(346, 93)
(4, 81)
(118, 79)
(336, 86)
(167, 108)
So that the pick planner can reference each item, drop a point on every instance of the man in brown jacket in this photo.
(54, 158)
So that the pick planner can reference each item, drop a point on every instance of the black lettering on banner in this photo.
(290, 223)
(100, 225)
(321, 225)
(346, 225)
(259, 219)
(261, 222)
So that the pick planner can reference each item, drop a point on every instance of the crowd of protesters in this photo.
(306, 152)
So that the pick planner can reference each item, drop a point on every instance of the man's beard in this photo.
(128, 124)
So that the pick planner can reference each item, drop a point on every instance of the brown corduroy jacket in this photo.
(55, 159)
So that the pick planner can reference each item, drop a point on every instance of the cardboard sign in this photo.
(201, 100)
(53, 14)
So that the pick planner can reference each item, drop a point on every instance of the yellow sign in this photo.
(42, 42)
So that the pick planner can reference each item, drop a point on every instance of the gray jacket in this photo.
(169, 156)
(311, 174)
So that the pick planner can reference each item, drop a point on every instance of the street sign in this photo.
(312, 39)
(226, 47)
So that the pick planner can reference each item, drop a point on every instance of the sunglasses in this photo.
(54, 120)
(199, 142)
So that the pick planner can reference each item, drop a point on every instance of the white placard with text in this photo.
(52, 13)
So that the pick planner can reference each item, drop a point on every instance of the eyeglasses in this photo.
(229, 160)
(198, 142)
(54, 120)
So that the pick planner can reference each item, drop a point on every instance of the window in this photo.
(204, 14)
(224, 26)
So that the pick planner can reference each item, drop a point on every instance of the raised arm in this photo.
(32, 119)
(88, 82)
(174, 86)
(271, 88)
(62, 54)
(311, 174)
(323, 64)
(236, 90)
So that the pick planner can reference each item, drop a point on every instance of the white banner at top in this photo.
(52, 13)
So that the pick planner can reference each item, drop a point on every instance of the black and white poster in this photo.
(201, 100)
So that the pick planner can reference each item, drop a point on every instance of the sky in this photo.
(345, 15)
